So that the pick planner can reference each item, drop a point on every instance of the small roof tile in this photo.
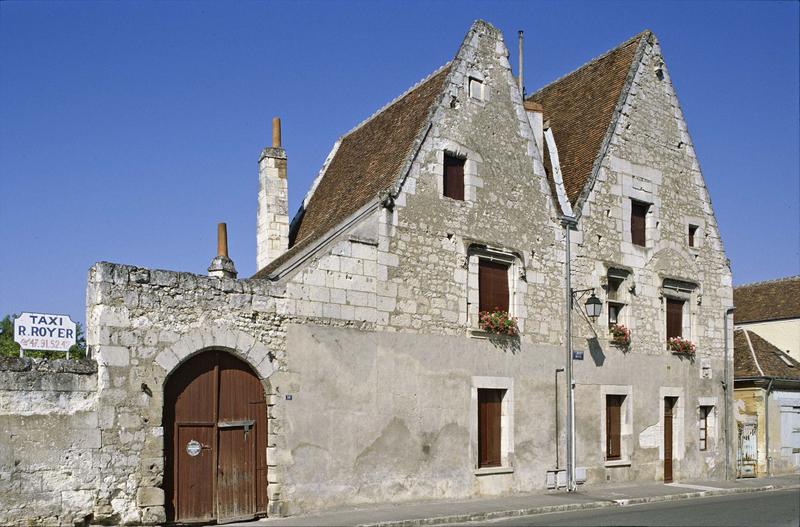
(771, 300)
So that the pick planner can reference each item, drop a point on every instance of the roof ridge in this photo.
(752, 351)
(771, 281)
(396, 99)
(598, 58)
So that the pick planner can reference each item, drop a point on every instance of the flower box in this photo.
(620, 335)
(680, 345)
(498, 322)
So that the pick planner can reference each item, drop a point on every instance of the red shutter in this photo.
(613, 426)
(492, 285)
(489, 412)
(638, 222)
(674, 318)
(453, 177)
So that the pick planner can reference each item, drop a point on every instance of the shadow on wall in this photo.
(505, 343)
(596, 351)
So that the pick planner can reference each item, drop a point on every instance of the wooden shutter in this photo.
(489, 412)
(492, 285)
(638, 222)
(692, 230)
(674, 318)
(613, 426)
(453, 177)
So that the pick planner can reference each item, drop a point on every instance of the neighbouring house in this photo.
(767, 406)
(772, 310)
(404, 337)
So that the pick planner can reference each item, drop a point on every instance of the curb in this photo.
(494, 515)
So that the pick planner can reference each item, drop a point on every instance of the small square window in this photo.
(453, 183)
(639, 222)
(692, 233)
(476, 88)
(493, 291)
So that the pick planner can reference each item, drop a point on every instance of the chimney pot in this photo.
(222, 240)
(276, 132)
(222, 266)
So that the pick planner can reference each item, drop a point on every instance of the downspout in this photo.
(569, 223)
(558, 464)
(727, 395)
(766, 432)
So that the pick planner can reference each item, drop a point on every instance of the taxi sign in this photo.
(43, 331)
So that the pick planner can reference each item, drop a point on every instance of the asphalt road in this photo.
(779, 508)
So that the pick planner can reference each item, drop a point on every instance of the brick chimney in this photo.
(222, 266)
(272, 229)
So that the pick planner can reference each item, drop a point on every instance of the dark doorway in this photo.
(669, 410)
(215, 441)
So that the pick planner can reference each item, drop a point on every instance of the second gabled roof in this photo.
(580, 107)
(771, 300)
(754, 356)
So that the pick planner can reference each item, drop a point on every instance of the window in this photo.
(453, 177)
(692, 232)
(674, 318)
(476, 88)
(639, 222)
(490, 411)
(493, 285)
(705, 422)
(614, 313)
(614, 426)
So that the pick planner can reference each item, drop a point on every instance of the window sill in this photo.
(618, 463)
(483, 334)
(487, 471)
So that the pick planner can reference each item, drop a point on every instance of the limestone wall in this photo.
(49, 441)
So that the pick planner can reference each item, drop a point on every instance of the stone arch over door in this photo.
(215, 439)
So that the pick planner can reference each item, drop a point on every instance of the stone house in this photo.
(353, 367)
(771, 309)
(767, 406)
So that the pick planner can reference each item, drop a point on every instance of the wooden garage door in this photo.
(215, 425)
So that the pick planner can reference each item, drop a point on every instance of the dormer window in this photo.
(476, 88)
(453, 184)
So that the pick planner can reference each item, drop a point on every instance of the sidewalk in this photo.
(412, 514)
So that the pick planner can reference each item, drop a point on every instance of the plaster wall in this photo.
(49, 441)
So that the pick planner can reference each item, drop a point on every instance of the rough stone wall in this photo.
(651, 159)
(49, 441)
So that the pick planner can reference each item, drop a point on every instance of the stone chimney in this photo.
(536, 118)
(222, 266)
(272, 229)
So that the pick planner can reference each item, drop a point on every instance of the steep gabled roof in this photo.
(366, 163)
(771, 300)
(580, 107)
(755, 357)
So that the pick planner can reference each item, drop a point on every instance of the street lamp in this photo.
(593, 306)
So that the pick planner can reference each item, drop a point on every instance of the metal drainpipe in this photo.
(558, 465)
(766, 420)
(568, 223)
(725, 387)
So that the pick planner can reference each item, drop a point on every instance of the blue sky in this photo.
(128, 130)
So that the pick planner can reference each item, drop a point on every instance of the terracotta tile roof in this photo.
(367, 162)
(580, 107)
(755, 357)
(772, 300)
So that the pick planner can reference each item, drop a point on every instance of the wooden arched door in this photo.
(215, 440)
